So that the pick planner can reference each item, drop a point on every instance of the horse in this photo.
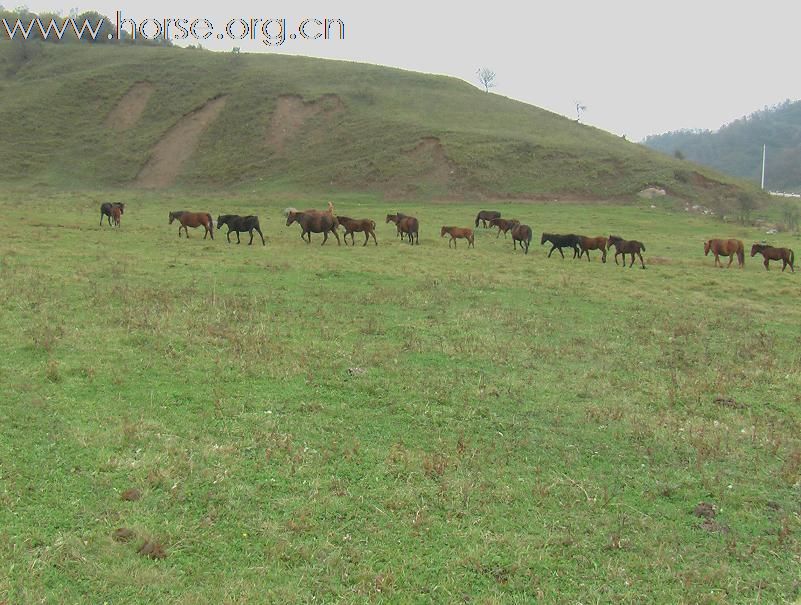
(365, 225)
(625, 247)
(193, 219)
(313, 221)
(240, 224)
(770, 253)
(503, 225)
(457, 232)
(486, 215)
(105, 210)
(593, 243)
(395, 218)
(409, 227)
(726, 247)
(559, 241)
(116, 213)
(522, 234)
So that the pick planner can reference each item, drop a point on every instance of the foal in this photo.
(770, 253)
(457, 232)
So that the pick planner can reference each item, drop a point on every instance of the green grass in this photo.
(55, 105)
(524, 429)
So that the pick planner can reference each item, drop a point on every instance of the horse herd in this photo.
(408, 229)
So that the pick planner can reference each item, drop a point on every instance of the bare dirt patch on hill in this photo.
(177, 145)
(291, 113)
(129, 108)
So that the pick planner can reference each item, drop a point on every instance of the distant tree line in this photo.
(737, 147)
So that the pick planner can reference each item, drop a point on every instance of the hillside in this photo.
(161, 117)
(736, 148)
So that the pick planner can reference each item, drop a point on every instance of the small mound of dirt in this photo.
(429, 154)
(291, 112)
(129, 108)
(123, 534)
(706, 510)
(713, 526)
(177, 145)
(131, 495)
(154, 550)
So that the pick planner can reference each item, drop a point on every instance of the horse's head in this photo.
(544, 238)
(707, 246)
(391, 218)
(221, 219)
(172, 217)
(756, 248)
(443, 231)
(291, 218)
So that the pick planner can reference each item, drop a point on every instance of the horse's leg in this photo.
(250, 243)
(238, 241)
(553, 247)
(641, 260)
(766, 263)
(262, 236)
(228, 235)
(731, 260)
(587, 252)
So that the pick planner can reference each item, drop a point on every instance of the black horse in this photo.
(559, 241)
(485, 216)
(240, 224)
(105, 210)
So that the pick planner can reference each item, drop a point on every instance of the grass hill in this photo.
(160, 117)
(737, 147)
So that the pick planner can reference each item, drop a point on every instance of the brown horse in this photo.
(503, 224)
(116, 215)
(625, 247)
(522, 234)
(457, 232)
(395, 218)
(193, 219)
(313, 221)
(486, 215)
(592, 243)
(726, 247)
(351, 225)
(409, 227)
(770, 253)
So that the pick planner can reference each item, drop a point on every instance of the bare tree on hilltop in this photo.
(487, 78)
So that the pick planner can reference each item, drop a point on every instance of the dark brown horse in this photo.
(504, 225)
(593, 243)
(559, 241)
(363, 225)
(395, 218)
(105, 210)
(726, 247)
(116, 215)
(625, 247)
(522, 234)
(409, 227)
(485, 216)
(458, 232)
(313, 221)
(193, 219)
(770, 253)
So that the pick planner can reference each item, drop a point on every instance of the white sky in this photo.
(640, 67)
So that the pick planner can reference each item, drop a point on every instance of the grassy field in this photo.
(391, 423)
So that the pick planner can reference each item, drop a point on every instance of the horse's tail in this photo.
(372, 224)
(792, 256)
(642, 246)
(211, 223)
(478, 217)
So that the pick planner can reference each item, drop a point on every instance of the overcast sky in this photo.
(640, 67)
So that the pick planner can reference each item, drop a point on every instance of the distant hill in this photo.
(116, 115)
(736, 148)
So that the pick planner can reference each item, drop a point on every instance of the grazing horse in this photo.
(726, 247)
(559, 241)
(193, 219)
(770, 253)
(313, 221)
(625, 247)
(522, 234)
(105, 210)
(116, 214)
(395, 218)
(240, 224)
(409, 227)
(365, 225)
(486, 215)
(457, 232)
(593, 243)
(503, 225)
